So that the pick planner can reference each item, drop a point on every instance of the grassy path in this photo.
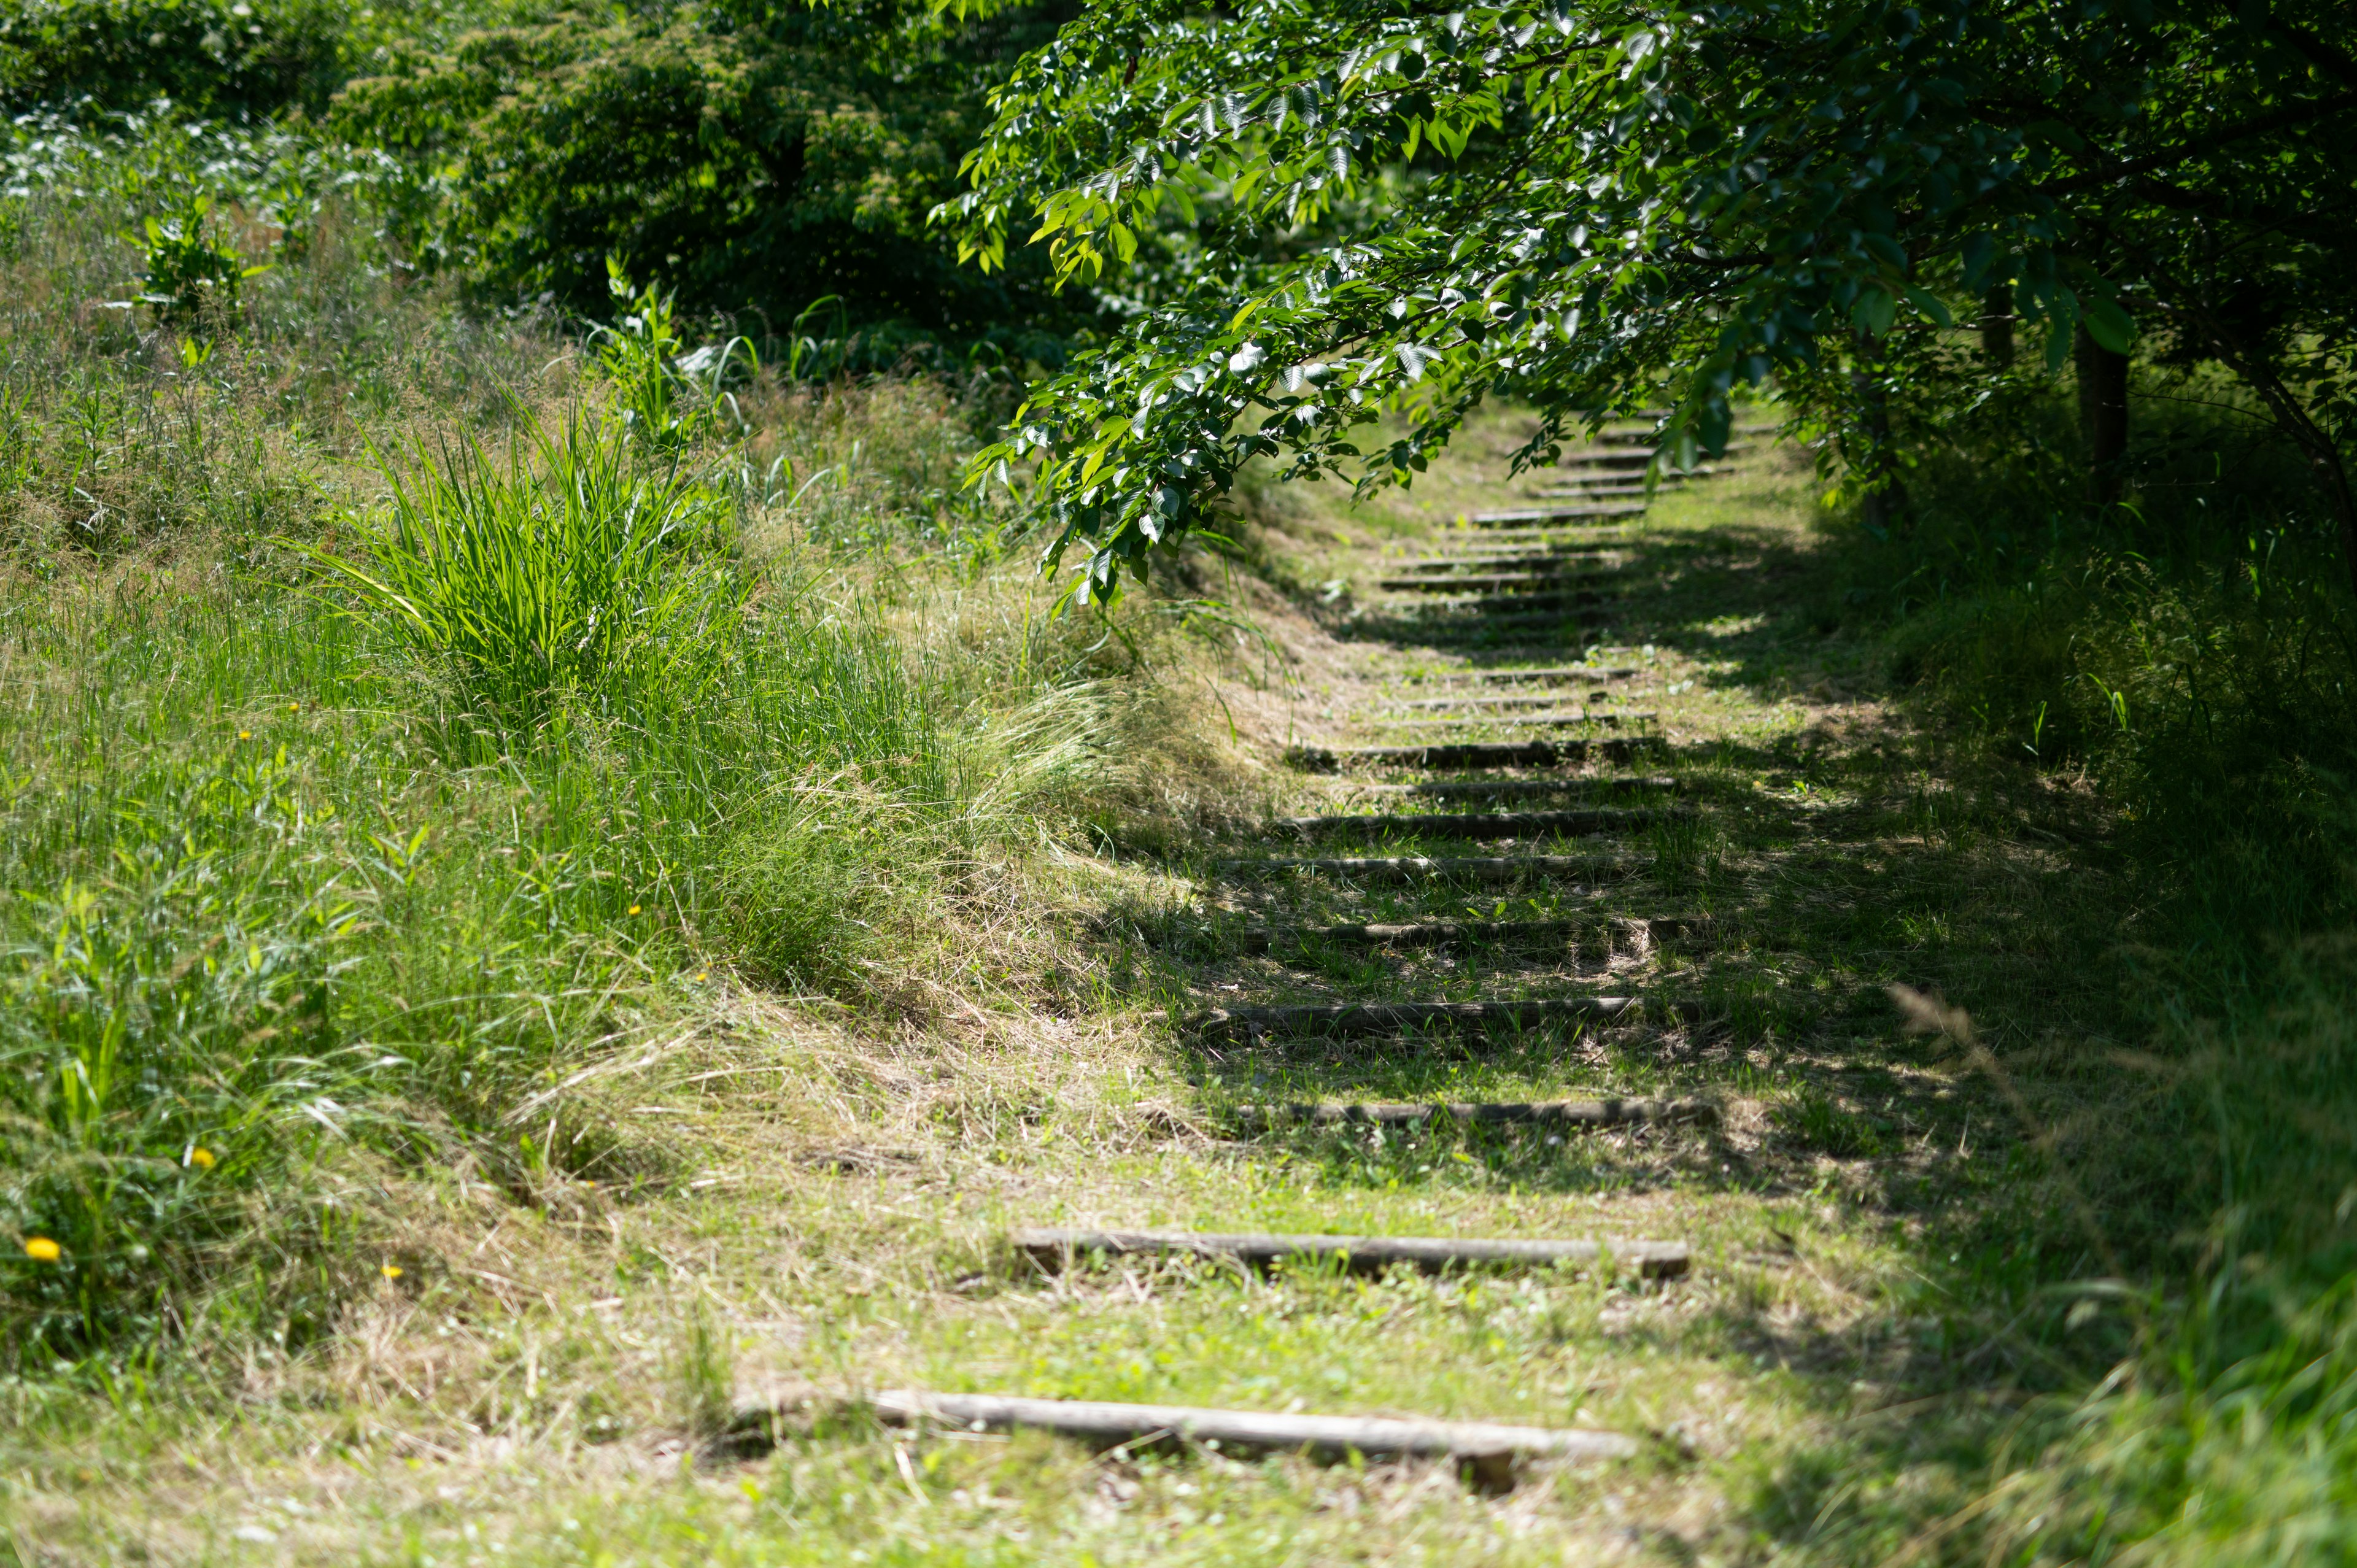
(1749, 848)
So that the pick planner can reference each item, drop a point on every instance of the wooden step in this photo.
(1413, 1017)
(1534, 700)
(1533, 598)
(1547, 1112)
(1451, 756)
(1056, 1247)
(1471, 824)
(1552, 514)
(1456, 562)
(1488, 617)
(1485, 868)
(1506, 788)
(1488, 1453)
(1483, 582)
(1441, 933)
(1568, 673)
(1558, 721)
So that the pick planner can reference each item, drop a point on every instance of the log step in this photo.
(1625, 931)
(1552, 721)
(1449, 757)
(1394, 1017)
(1440, 933)
(1553, 514)
(1469, 824)
(1436, 582)
(1527, 700)
(1518, 1112)
(1056, 1248)
(1477, 619)
(1459, 560)
(1455, 867)
(1505, 605)
(1490, 1452)
(1571, 673)
(1503, 789)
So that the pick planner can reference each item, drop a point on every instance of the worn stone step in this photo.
(1486, 869)
(1454, 756)
(1060, 1247)
(1473, 824)
(1410, 1017)
(1551, 1112)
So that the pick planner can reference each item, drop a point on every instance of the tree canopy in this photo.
(1627, 204)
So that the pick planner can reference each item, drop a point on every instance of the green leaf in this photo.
(2108, 325)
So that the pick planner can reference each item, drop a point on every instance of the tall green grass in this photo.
(571, 574)
(2193, 656)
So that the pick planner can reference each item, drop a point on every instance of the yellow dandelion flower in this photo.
(201, 1158)
(294, 707)
(41, 1249)
(634, 908)
(245, 735)
(391, 1271)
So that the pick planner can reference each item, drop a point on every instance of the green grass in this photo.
(659, 931)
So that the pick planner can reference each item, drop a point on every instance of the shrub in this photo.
(753, 161)
(231, 58)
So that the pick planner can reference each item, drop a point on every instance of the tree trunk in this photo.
(1997, 327)
(2103, 415)
(1884, 506)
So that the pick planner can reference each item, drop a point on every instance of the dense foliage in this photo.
(221, 57)
(1631, 203)
(756, 159)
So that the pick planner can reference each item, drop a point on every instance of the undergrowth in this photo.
(2190, 655)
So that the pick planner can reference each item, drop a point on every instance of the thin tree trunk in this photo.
(2103, 415)
(1885, 503)
(1997, 327)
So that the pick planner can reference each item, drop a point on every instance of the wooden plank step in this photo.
(1401, 1018)
(1566, 673)
(1451, 756)
(1456, 561)
(1440, 933)
(1489, 1453)
(1483, 582)
(1530, 598)
(1557, 721)
(1530, 700)
(1560, 537)
(1588, 1114)
(1471, 824)
(1553, 514)
(1486, 617)
(1504, 789)
(1056, 1247)
(1488, 868)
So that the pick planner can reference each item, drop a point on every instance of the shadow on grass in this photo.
(1821, 866)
